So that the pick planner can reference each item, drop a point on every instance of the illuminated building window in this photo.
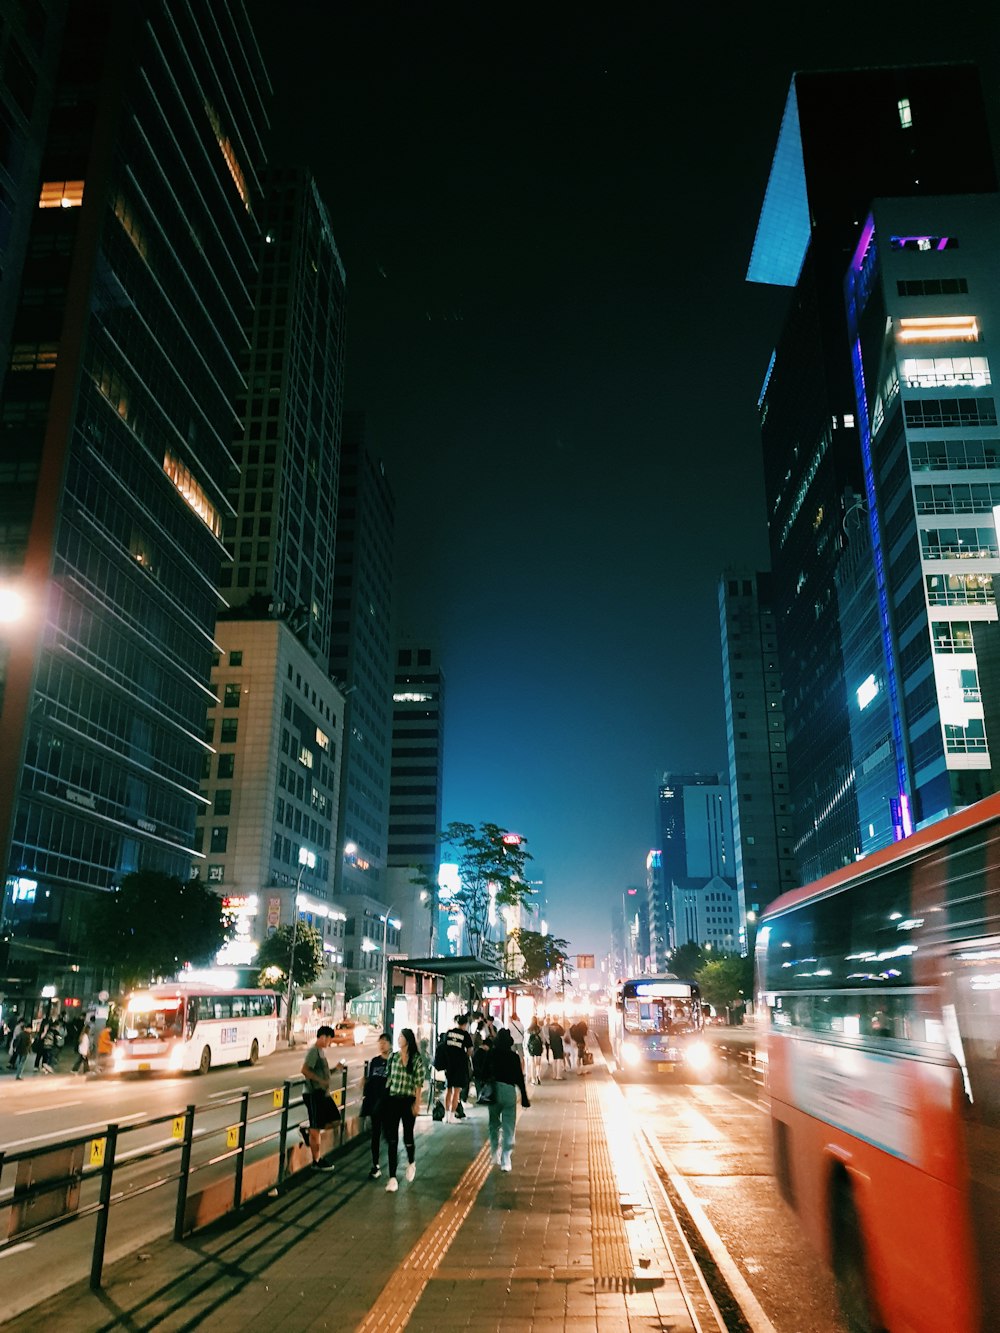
(192, 492)
(229, 154)
(131, 225)
(905, 113)
(322, 739)
(959, 589)
(61, 194)
(305, 756)
(34, 356)
(412, 698)
(959, 543)
(923, 243)
(938, 329)
(113, 388)
(932, 372)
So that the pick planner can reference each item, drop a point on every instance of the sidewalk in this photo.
(567, 1240)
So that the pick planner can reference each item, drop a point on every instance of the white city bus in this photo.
(186, 1028)
(656, 1025)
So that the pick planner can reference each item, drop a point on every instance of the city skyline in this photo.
(550, 332)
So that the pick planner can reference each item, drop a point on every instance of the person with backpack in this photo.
(533, 1048)
(453, 1052)
(578, 1036)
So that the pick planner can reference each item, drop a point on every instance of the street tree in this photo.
(722, 981)
(152, 924)
(540, 954)
(491, 863)
(687, 959)
(275, 955)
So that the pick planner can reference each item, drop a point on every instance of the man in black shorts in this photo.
(316, 1098)
(457, 1046)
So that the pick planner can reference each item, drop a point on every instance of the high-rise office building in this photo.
(30, 37)
(923, 294)
(845, 139)
(121, 401)
(763, 861)
(361, 659)
(696, 857)
(271, 787)
(283, 533)
(415, 792)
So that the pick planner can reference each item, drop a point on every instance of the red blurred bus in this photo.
(880, 987)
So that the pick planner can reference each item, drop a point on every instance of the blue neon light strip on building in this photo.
(857, 279)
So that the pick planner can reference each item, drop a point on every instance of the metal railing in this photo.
(65, 1168)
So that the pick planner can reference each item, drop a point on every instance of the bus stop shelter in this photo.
(426, 993)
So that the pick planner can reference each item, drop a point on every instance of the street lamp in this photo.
(306, 858)
(386, 923)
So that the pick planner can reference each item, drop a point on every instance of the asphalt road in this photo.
(717, 1138)
(41, 1111)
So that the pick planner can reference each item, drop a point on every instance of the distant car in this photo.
(349, 1033)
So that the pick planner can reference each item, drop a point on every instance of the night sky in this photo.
(546, 214)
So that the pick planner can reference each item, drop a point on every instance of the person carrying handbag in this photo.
(405, 1076)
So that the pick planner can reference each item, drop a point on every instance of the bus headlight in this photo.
(631, 1054)
(177, 1056)
(698, 1055)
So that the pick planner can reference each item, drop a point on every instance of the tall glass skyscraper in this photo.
(845, 139)
(121, 403)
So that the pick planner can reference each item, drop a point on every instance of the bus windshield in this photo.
(154, 1018)
(660, 1015)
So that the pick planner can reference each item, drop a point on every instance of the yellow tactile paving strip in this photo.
(399, 1298)
(611, 1252)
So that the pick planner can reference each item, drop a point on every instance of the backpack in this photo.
(441, 1055)
(534, 1043)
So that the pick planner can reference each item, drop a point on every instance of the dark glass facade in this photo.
(283, 533)
(845, 139)
(122, 393)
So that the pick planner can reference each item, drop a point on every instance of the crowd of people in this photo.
(494, 1065)
(54, 1040)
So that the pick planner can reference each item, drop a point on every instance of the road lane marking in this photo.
(48, 1106)
(230, 1092)
(71, 1131)
(25, 1245)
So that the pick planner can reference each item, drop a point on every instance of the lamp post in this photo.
(385, 970)
(306, 858)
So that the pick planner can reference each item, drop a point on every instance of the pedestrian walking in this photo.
(22, 1047)
(504, 1069)
(558, 1050)
(373, 1098)
(105, 1046)
(405, 1075)
(480, 1059)
(82, 1051)
(516, 1029)
(578, 1036)
(533, 1047)
(457, 1044)
(323, 1110)
(12, 1048)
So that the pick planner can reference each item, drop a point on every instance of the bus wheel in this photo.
(254, 1053)
(205, 1063)
(850, 1269)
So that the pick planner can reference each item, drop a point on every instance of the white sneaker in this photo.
(505, 1164)
(391, 1185)
(497, 1157)
(411, 1171)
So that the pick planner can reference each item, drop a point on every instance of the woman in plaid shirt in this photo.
(405, 1076)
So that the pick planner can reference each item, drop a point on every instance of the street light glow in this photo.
(13, 604)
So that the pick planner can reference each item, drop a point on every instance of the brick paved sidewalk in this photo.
(464, 1246)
